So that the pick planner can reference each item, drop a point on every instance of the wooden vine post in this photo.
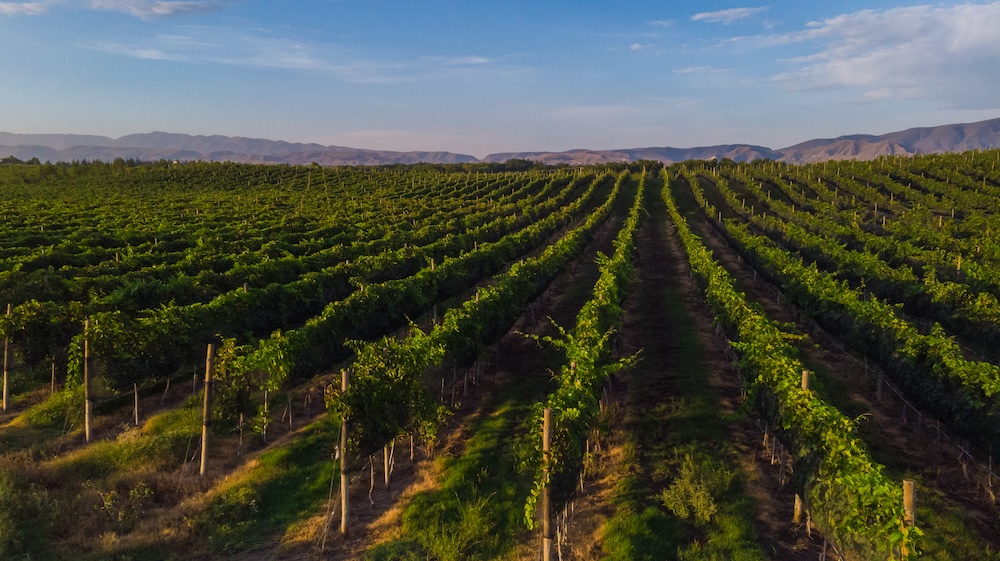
(344, 382)
(805, 379)
(910, 502)
(88, 401)
(387, 452)
(909, 507)
(206, 422)
(546, 499)
(6, 364)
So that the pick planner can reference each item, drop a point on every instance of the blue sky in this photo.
(482, 77)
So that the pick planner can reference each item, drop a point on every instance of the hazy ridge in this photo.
(183, 147)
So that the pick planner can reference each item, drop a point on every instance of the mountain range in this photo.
(182, 147)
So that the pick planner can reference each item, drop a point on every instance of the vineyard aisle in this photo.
(957, 520)
(469, 498)
(675, 421)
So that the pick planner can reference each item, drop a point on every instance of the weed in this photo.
(25, 518)
(125, 512)
(692, 493)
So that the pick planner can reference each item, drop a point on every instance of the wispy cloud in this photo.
(220, 45)
(946, 54)
(458, 60)
(732, 15)
(633, 47)
(662, 23)
(152, 9)
(262, 48)
(135, 52)
(22, 8)
(702, 70)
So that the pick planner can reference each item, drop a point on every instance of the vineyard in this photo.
(708, 360)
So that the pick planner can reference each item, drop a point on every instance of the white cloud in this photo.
(662, 23)
(21, 8)
(729, 16)
(943, 54)
(152, 9)
(262, 48)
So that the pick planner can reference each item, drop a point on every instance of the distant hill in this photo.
(924, 140)
(183, 147)
(735, 152)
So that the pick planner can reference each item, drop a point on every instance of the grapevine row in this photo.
(588, 350)
(849, 495)
(389, 395)
(930, 368)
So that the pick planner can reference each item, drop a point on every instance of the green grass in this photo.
(285, 485)
(646, 534)
(947, 533)
(159, 444)
(477, 512)
(25, 520)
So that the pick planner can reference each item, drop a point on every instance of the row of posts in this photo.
(909, 485)
(88, 425)
(909, 493)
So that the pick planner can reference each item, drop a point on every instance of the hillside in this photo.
(923, 140)
(183, 147)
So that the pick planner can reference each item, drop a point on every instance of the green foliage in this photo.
(466, 530)
(160, 270)
(25, 517)
(575, 403)
(61, 409)
(402, 550)
(124, 511)
(388, 395)
(849, 494)
(931, 367)
(392, 396)
(700, 479)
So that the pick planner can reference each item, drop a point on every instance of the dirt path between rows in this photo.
(894, 437)
(662, 275)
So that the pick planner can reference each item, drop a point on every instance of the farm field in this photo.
(665, 317)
